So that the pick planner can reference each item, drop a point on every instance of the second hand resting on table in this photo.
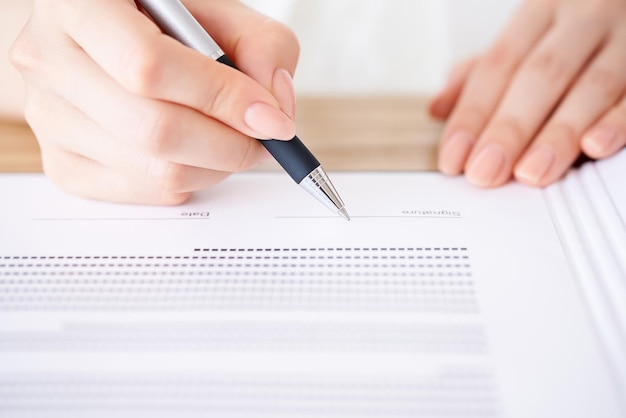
(125, 113)
(552, 85)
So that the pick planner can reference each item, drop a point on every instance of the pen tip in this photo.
(344, 214)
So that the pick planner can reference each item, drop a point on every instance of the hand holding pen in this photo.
(125, 113)
(295, 158)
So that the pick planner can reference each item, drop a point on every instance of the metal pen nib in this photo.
(318, 184)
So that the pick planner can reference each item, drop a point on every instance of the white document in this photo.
(436, 299)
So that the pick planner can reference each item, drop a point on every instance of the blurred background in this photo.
(366, 71)
(355, 47)
(384, 47)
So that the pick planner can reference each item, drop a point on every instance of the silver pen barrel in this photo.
(175, 20)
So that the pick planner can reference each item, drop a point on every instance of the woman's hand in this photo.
(125, 113)
(551, 86)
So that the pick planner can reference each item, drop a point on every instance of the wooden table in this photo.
(368, 133)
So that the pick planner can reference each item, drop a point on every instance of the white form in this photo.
(436, 299)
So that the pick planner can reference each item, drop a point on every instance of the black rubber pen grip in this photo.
(293, 155)
(225, 60)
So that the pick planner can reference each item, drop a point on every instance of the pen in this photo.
(176, 21)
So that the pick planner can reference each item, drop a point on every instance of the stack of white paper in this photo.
(437, 299)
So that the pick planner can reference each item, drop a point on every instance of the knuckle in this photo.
(157, 132)
(469, 115)
(142, 69)
(510, 130)
(65, 169)
(174, 177)
(280, 34)
(167, 176)
(218, 102)
(560, 132)
(549, 64)
(609, 83)
(500, 57)
(26, 56)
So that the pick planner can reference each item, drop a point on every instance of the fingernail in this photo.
(269, 122)
(484, 169)
(536, 165)
(601, 141)
(284, 91)
(454, 152)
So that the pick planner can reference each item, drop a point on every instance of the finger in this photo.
(547, 73)
(263, 48)
(131, 49)
(607, 136)
(559, 143)
(487, 84)
(443, 103)
(86, 178)
(162, 130)
(70, 131)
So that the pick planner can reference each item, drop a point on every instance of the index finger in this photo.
(134, 52)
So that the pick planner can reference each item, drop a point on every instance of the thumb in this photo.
(262, 48)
